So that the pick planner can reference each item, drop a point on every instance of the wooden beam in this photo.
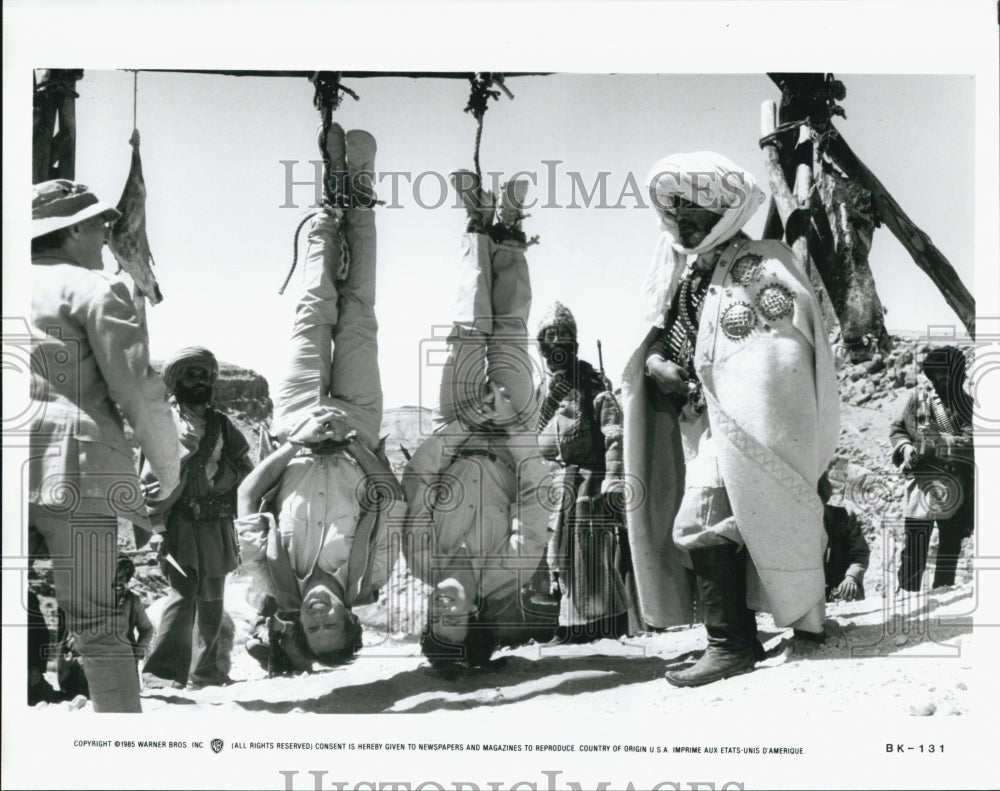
(446, 75)
(917, 243)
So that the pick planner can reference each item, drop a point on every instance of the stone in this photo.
(923, 709)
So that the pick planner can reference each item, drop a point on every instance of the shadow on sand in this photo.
(511, 679)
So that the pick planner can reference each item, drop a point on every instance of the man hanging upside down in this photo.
(477, 520)
(312, 514)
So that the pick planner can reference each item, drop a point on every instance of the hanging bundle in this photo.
(128, 241)
(329, 93)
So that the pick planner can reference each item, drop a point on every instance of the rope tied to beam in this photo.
(328, 95)
(480, 93)
(774, 139)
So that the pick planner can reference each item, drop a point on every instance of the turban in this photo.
(557, 315)
(710, 181)
(175, 367)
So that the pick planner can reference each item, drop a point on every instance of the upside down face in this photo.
(324, 620)
(451, 607)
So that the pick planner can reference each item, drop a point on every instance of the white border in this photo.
(842, 37)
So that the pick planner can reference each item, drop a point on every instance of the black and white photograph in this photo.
(619, 417)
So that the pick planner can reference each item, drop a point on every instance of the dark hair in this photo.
(125, 564)
(474, 651)
(352, 643)
(52, 240)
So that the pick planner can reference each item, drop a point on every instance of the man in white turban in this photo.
(731, 416)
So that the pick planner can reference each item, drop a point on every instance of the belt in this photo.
(206, 509)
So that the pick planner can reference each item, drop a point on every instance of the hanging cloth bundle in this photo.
(329, 93)
(128, 241)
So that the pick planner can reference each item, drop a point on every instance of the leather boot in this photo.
(732, 627)
(361, 149)
(478, 203)
(510, 213)
(332, 144)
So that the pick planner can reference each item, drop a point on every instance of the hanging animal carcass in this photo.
(128, 235)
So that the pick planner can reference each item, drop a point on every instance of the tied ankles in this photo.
(510, 208)
(350, 161)
(500, 219)
(510, 212)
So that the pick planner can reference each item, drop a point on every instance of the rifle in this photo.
(600, 366)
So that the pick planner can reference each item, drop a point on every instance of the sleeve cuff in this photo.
(897, 452)
(258, 521)
(651, 358)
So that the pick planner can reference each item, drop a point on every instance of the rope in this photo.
(295, 251)
(479, 97)
(135, 98)
(327, 98)
(329, 93)
(475, 153)
(772, 138)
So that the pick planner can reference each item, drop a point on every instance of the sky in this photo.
(221, 231)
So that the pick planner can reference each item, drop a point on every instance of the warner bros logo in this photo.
(217, 745)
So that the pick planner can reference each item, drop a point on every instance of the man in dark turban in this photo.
(195, 525)
(932, 445)
(580, 428)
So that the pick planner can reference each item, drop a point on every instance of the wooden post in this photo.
(43, 127)
(54, 125)
(917, 243)
(794, 208)
(782, 196)
(66, 168)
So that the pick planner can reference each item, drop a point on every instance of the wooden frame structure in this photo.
(826, 203)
